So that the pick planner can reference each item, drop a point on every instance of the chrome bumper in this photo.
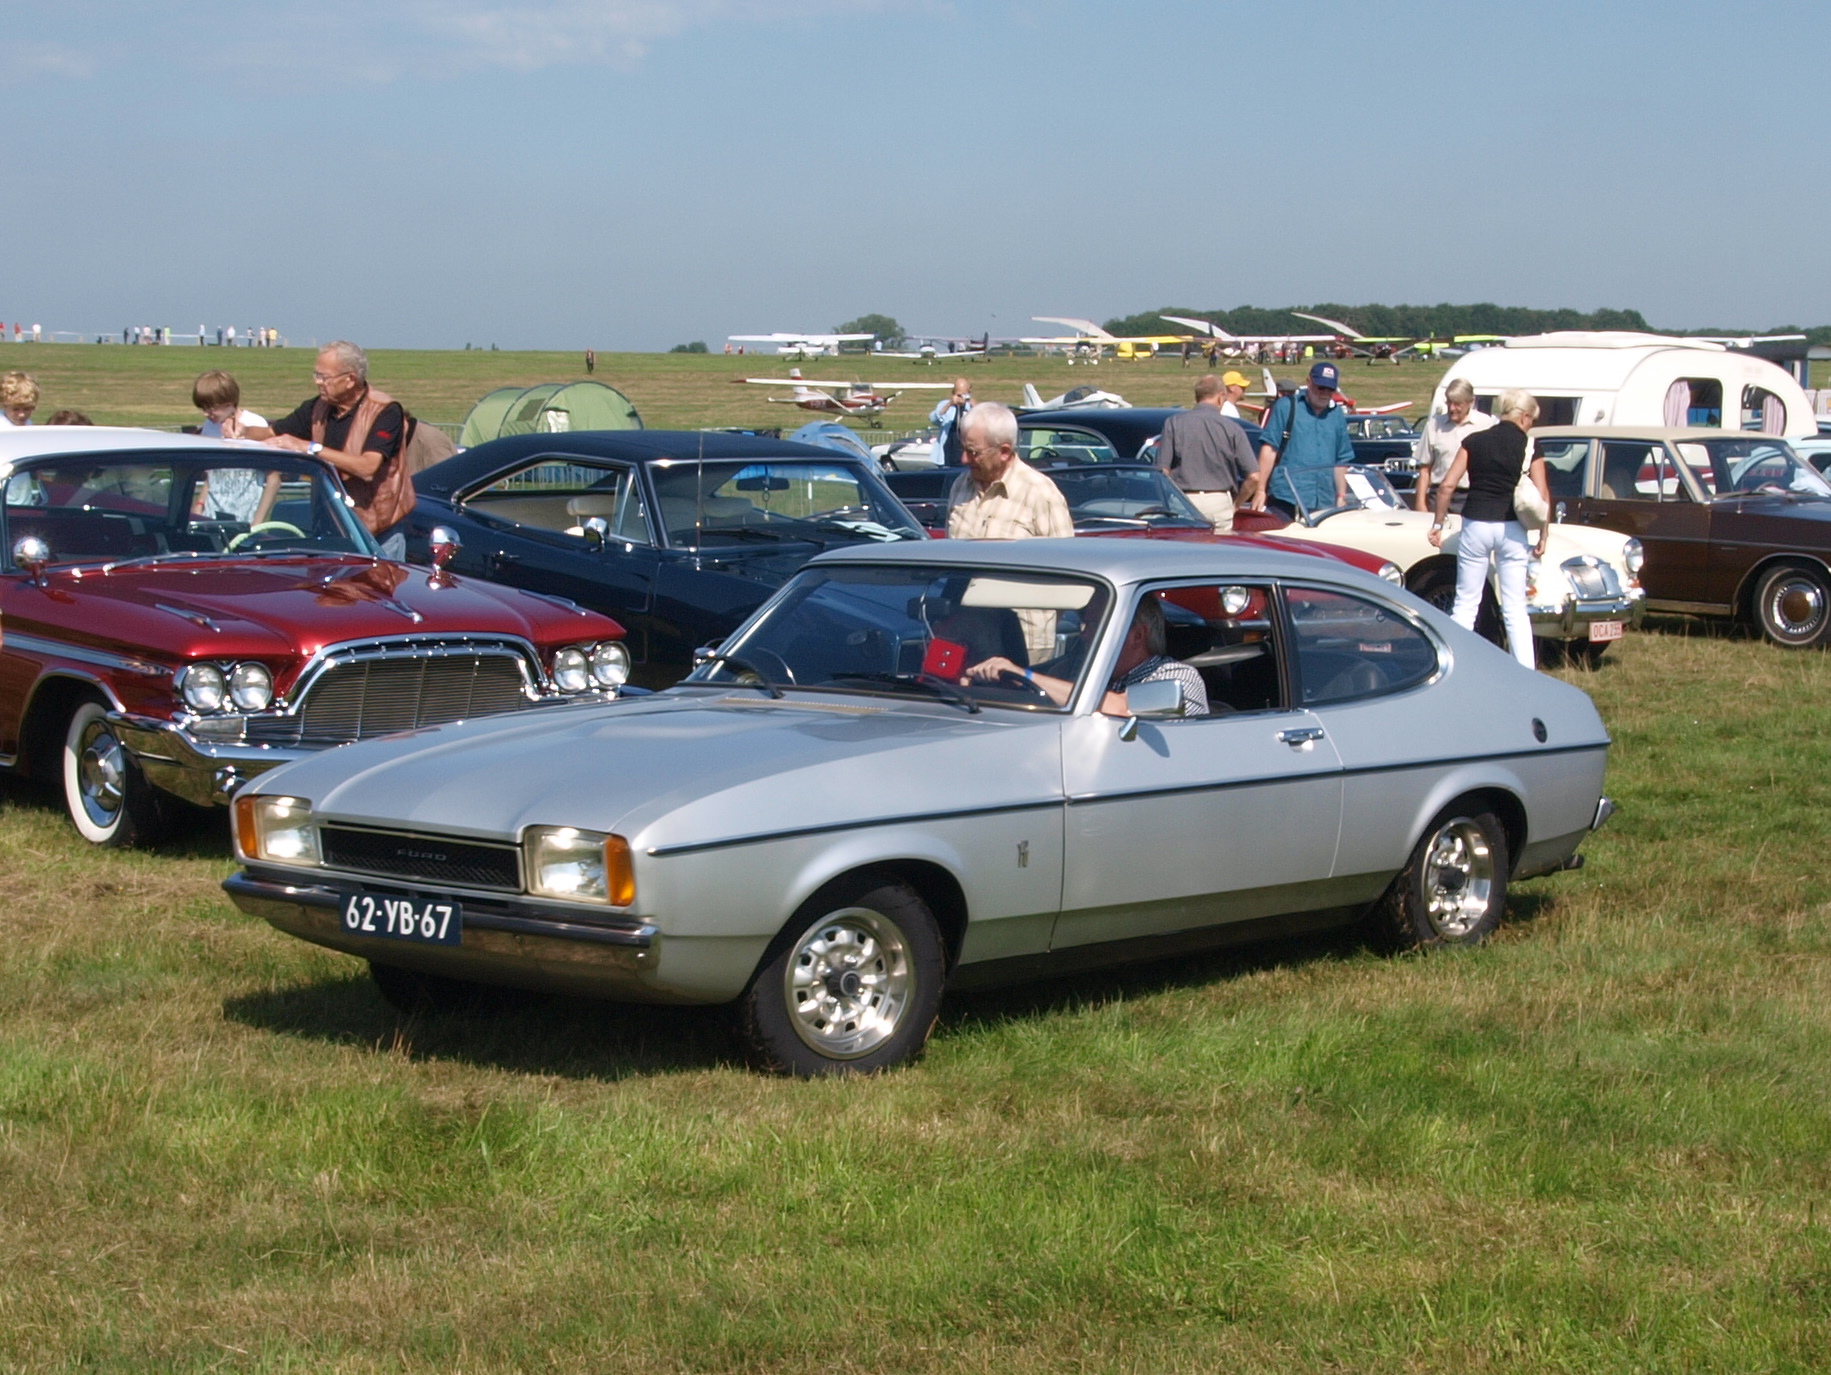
(205, 772)
(1573, 619)
(503, 943)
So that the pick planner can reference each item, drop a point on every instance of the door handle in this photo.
(1301, 735)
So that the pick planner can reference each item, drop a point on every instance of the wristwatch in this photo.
(313, 449)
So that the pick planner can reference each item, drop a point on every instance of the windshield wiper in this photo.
(745, 666)
(941, 688)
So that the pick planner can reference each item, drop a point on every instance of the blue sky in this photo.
(637, 173)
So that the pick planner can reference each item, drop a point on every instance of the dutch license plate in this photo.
(1600, 632)
(431, 921)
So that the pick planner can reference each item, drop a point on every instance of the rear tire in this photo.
(1453, 889)
(1793, 607)
(851, 986)
(1439, 589)
(106, 797)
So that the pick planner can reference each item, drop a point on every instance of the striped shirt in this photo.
(1023, 504)
(1161, 668)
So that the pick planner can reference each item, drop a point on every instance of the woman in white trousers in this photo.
(1491, 531)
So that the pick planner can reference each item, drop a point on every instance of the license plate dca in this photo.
(1601, 632)
(425, 921)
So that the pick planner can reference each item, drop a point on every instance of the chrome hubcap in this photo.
(102, 773)
(1458, 878)
(1798, 606)
(848, 983)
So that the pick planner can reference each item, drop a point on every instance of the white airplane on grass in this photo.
(1091, 339)
(931, 350)
(863, 400)
(1248, 346)
(791, 345)
(1074, 399)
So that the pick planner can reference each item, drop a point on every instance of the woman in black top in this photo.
(1491, 530)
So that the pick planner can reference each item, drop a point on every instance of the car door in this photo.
(1201, 821)
(572, 526)
(1635, 487)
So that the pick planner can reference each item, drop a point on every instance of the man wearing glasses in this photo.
(360, 431)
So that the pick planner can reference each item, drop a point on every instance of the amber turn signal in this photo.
(619, 872)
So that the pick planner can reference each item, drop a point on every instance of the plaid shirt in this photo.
(1023, 504)
(1195, 692)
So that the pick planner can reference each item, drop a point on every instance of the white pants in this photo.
(1217, 506)
(1503, 542)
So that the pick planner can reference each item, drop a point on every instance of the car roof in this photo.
(1120, 561)
(31, 441)
(1659, 433)
(632, 446)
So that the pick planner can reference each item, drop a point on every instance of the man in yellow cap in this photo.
(1235, 385)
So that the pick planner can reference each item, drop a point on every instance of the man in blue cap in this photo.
(1305, 447)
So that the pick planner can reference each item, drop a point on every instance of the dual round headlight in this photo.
(592, 666)
(246, 687)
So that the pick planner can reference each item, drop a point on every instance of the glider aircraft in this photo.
(862, 400)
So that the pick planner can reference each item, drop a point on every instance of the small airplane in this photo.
(1248, 347)
(1090, 340)
(788, 344)
(1380, 348)
(1074, 399)
(863, 400)
(930, 349)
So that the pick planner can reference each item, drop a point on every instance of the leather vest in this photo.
(382, 500)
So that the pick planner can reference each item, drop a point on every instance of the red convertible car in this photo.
(178, 615)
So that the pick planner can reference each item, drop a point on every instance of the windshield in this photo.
(1732, 467)
(1121, 497)
(1321, 492)
(145, 505)
(733, 501)
(1381, 427)
(1048, 447)
(912, 630)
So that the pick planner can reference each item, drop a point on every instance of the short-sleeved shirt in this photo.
(1164, 668)
(1203, 451)
(1441, 440)
(1023, 504)
(1305, 475)
(1497, 455)
(384, 435)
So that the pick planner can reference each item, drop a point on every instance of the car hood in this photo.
(293, 606)
(687, 770)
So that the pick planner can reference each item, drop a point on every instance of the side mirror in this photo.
(32, 554)
(1150, 701)
(597, 531)
(445, 545)
(703, 655)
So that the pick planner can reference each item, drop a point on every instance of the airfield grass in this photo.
(126, 385)
(1598, 1143)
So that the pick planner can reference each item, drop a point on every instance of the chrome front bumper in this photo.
(1572, 620)
(205, 772)
(504, 942)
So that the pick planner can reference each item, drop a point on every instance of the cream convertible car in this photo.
(832, 819)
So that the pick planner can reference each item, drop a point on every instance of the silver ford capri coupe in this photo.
(943, 765)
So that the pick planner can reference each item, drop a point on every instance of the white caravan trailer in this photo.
(1622, 378)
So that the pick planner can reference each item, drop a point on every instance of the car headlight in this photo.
(276, 829)
(570, 672)
(579, 866)
(1634, 555)
(1392, 573)
(251, 687)
(610, 664)
(202, 687)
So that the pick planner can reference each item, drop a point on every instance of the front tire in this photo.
(106, 796)
(1453, 889)
(851, 987)
(1793, 607)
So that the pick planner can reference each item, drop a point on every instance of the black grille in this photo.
(367, 697)
(432, 859)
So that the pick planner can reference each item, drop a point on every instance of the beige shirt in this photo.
(1023, 504)
(1442, 440)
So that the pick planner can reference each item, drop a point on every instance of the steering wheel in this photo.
(1017, 682)
(266, 527)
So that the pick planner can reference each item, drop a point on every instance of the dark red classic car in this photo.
(178, 615)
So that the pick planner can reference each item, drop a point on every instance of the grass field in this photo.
(116, 385)
(1599, 1143)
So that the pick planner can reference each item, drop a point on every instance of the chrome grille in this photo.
(1591, 579)
(357, 697)
(431, 859)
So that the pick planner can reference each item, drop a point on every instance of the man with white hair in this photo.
(1443, 437)
(358, 429)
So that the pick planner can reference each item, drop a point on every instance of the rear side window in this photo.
(1564, 459)
(1346, 647)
